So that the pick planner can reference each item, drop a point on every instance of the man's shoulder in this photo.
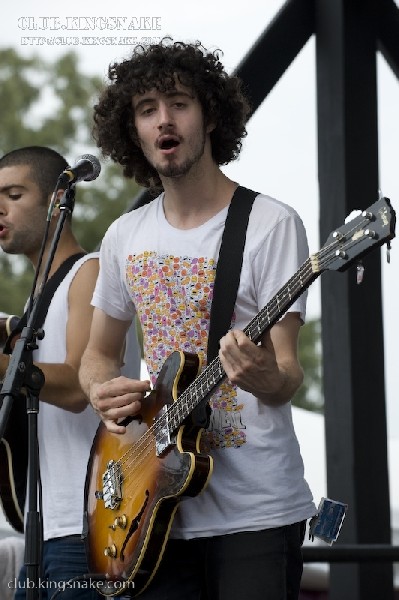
(134, 217)
(87, 261)
(85, 267)
(270, 202)
(90, 256)
(268, 209)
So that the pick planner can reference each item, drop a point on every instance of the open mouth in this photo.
(167, 143)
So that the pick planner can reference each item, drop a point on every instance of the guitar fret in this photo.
(195, 393)
(287, 295)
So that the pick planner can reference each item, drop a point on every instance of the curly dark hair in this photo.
(157, 67)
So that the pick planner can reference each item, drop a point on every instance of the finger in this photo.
(228, 344)
(117, 413)
(121, 386)
(113, 427)
(108, 402)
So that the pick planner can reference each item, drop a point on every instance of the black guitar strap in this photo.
(227, 279)
(47, 295)
(228, 268)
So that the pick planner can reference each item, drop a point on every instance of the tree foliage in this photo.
(51, 104)
(47, 104)
(309, 395)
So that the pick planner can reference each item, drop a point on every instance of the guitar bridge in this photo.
(163, 438)
(112, 485)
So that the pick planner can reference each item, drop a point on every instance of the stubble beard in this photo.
(173, 170)
(24, 241)
(19, 244)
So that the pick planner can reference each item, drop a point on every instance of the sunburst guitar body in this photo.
(135, 481)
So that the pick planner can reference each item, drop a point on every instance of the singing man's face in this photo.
(23, 212)
(171, 130)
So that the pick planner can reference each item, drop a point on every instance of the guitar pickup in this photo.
(163, 438)
(112, 485)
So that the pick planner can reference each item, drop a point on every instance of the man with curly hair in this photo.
(171, 116)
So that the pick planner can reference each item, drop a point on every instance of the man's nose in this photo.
(165, 118)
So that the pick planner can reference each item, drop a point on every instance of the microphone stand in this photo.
(22, 373)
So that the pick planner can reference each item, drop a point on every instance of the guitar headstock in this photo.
(374, 227)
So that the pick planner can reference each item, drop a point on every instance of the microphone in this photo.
(87, 168)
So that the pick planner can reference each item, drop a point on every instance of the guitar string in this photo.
(148, 440)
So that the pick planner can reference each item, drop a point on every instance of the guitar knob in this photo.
(121, 522)
(111, 551)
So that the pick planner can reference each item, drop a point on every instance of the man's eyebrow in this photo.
(169, 94)
(6, 188)
(172, 93)
(142, 101)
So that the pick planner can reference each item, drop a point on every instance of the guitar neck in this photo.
(201, 388)
(280, 303)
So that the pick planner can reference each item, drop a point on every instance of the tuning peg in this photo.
(368, 215)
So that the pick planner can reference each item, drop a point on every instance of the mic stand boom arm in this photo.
(22, 374)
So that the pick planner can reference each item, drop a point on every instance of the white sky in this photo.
(279, 154)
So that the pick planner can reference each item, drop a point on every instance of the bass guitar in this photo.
(135, 481)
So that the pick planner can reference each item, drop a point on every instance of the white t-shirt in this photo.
(166, 275)
(65, 438)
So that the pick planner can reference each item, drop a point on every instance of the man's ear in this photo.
(57, 202)
(210, 127)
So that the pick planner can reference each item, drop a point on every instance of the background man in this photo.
(67, 423)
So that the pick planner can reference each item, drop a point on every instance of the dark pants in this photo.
(63, 559)
(260, 565)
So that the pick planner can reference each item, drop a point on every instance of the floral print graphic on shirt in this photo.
(173, 296)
